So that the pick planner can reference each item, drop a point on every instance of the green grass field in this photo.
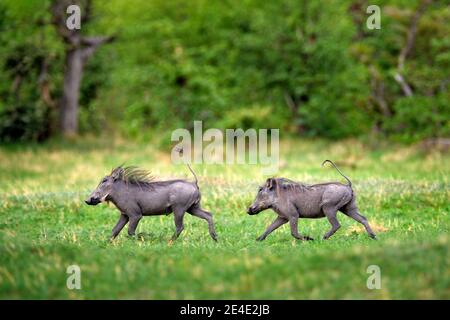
(45, 227)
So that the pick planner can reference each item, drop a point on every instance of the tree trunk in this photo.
(71, 92)
(78, 50)
(410, 41)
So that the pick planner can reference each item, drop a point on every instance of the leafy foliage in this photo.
(316, 67)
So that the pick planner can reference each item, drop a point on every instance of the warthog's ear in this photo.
(271, 183)
(117, 173)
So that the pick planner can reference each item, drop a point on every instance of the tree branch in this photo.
(290, 103)
(377, 85)
(410, 41)
(92, 44)
(403, 84)
(412, 32)
(43, 83)
(96, 41)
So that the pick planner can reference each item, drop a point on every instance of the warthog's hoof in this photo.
(308, 238)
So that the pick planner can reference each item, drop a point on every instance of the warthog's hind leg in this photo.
(330, 213)
(352, 211)
(178, 214)
(203, 214)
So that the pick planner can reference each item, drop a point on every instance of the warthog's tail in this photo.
(193, 173)
(180, 151)
(348, 180)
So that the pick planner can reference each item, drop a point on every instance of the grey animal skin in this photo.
(135, 193)
(292, 200)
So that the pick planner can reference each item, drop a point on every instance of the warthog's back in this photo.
(310, 199)
(167, 195)
(155, 198)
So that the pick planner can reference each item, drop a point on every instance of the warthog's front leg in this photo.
(278, 222)
(134, 220)
(123, 219)
(293, 220)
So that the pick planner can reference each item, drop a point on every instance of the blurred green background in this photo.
(310, 68)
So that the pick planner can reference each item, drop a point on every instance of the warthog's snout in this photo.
(92, 201)
(251, 210)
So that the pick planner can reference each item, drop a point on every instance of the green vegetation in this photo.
(314, 67)
(45, 227)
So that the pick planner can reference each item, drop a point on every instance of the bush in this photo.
(23, 123)
(417, 118)
(256, 117)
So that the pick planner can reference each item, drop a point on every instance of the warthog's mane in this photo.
(135, 176)
(288, 185)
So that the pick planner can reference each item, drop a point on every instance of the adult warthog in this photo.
(136, 194)
(293, 200)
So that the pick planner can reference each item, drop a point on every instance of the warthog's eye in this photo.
(260, 189)
(104, 180)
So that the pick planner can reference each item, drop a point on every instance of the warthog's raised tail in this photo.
(193, 173)
(180, 151)
(348, 180)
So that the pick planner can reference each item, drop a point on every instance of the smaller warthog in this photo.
(293, 200)
(136, 194)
